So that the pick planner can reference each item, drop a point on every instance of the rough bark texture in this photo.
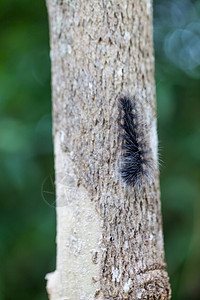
(109, 237)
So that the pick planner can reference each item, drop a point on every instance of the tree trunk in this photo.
(109, 236)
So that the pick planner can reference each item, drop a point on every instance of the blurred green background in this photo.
(27, 222)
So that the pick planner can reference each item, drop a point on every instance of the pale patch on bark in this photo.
(78, 237)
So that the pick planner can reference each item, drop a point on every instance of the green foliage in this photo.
(27, 223)
(177, 49)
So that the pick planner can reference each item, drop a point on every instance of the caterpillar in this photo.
(136, 159)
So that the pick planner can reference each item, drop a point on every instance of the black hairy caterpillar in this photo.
(136, 159)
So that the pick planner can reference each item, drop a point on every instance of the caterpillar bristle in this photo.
(136, 162)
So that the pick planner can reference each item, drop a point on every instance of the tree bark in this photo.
(109, 236)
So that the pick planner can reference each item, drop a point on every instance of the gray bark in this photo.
(109, 236)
